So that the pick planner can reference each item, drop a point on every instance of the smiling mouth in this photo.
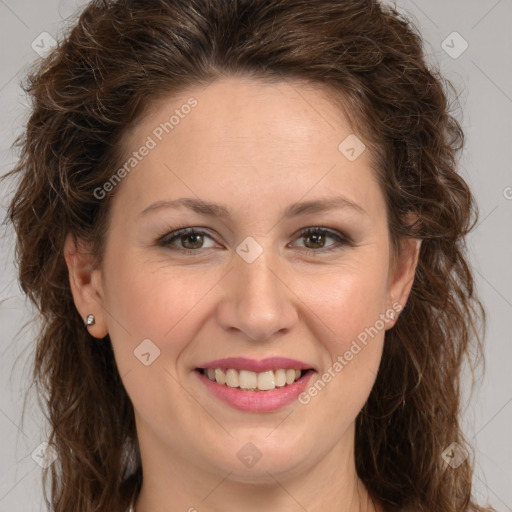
(253, 381)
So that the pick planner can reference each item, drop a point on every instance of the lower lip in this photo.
(257, 401)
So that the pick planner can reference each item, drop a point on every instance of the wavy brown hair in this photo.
(119, 56)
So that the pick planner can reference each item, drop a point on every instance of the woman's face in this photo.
(251, 285)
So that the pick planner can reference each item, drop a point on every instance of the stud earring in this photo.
(90, 320)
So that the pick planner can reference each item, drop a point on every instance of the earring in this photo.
(90, 320)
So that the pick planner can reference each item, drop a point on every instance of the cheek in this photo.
(163, 305)
(348, 298)
(351, 304)
(156, 301)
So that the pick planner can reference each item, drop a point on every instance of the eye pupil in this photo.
(316, 238)
(192, 236)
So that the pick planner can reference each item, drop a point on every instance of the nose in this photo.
(257, 301)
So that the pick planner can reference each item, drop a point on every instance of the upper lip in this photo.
(258, 366)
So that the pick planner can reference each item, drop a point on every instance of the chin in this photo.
(258, 459)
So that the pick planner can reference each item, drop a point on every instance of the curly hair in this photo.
(97, 83)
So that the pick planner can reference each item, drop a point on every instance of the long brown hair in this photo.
(96, 84)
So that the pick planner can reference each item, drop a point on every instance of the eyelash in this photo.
(342, 241)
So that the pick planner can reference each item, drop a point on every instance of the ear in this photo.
(402, 274)
(86, 285)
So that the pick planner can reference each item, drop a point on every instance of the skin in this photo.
(255, 148)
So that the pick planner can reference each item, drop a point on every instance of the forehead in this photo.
(244, 137)
(248, 110)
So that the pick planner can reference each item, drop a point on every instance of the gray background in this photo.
(483, 76)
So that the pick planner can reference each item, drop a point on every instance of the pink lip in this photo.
(253, 365)
(256, 401)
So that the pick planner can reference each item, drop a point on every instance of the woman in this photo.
(194, 355)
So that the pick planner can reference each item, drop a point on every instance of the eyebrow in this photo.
(209, 209)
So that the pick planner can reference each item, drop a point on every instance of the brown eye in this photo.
(316, 240)
(190, 240)
(194, 239)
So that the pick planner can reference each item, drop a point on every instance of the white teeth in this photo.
(245, 379)
(280, 378)
(290, 376)
(232, 378)
(220, 376)
(266, 380)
